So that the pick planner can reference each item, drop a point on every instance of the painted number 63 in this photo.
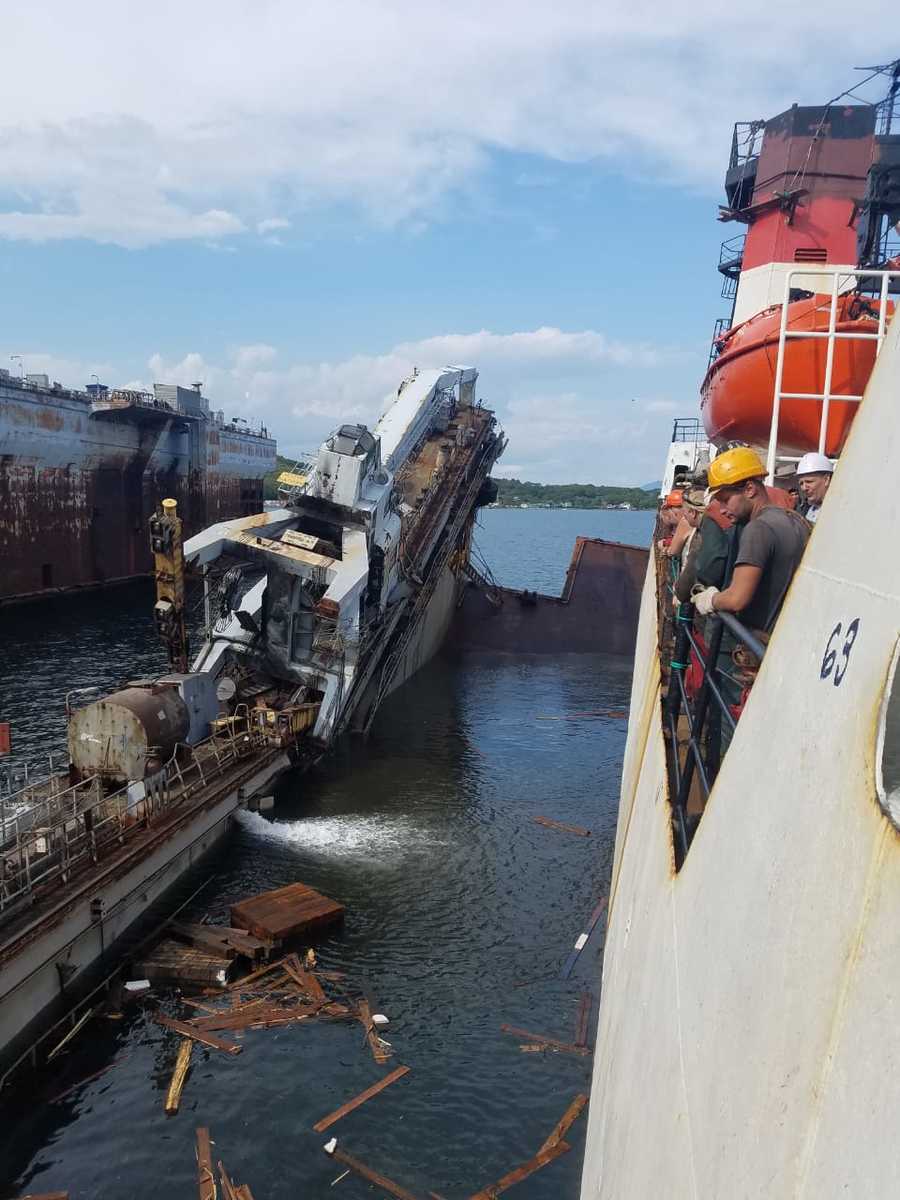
(837, 656)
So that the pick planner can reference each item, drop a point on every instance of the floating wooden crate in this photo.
(171, 960)
(287, 912)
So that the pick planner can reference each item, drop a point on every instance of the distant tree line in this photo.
(512, 492)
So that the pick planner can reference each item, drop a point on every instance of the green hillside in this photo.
(513, 492)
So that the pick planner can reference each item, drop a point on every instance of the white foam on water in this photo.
(346, 836)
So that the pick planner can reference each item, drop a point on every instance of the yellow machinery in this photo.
(168, 560)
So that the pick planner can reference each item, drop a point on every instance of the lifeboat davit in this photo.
(737, 394)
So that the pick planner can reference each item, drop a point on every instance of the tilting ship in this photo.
(746, 1044)
(315, 611)
(82, 471)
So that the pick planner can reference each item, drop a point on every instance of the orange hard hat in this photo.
(735, 466)
(674, 500)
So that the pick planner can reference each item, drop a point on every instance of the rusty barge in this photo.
(81, 472)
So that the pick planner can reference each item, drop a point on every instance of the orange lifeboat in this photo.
(736, 398)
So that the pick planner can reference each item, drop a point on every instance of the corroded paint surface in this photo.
(76, 491)
(596, 613)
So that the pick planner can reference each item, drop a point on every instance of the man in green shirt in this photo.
(772, 541)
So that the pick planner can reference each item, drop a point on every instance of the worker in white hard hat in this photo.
(814, 473)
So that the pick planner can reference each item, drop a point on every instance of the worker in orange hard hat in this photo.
(674, 499)
(772, 541)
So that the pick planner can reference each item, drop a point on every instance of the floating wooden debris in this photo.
(206, 1180)
(198, 1035)
(182, 1064)
(539, 1041)
(173, 961)
(397, 1073)
(79, 1024)
(46, 1196)
(565, 1123)
(582, 939)
(522, 1172)
(222, 940)
(381, 1050)
(286, 912)
(583, 1018)
(551, 824)
(553, 1147)
(360, 1168)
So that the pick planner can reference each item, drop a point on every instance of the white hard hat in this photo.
(814, 463)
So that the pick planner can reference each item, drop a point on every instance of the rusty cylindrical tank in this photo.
(128, 734)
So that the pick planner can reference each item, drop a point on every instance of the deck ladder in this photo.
(840, 281)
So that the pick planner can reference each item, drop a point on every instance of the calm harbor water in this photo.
(460, 911)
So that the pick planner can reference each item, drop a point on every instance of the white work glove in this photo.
(703, 601)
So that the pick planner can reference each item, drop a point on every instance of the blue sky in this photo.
(296, 204)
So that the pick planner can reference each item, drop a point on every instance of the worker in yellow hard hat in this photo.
(772, 541)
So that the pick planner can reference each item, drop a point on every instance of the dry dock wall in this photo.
(77, 487)
(596, 613)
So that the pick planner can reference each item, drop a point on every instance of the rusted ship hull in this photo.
(597, 612)
(78, 483)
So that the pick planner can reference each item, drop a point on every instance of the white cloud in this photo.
(270, 224)
(564, 398)
(138, 125)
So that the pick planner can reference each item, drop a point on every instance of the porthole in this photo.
(887, 750)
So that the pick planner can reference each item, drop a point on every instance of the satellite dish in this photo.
(226, 688)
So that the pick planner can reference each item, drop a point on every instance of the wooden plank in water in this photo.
(251, 1015)
(304, 979)
(397, 1073)
(206, 1181)
(572, 1113)
(286, 912)
(375, 1177)
(582, 939)
(551, 824)
(173, 960)
(198, 1035)
(182, 1063)
(583, 1018)
(381, 1051)
(543, 1041)
(241, 985)
(221, 940)
(534, 1164)
(46, 1196)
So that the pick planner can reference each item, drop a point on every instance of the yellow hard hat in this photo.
(735, 466)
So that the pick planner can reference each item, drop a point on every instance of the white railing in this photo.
(841, 281)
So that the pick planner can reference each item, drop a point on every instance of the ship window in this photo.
(887, 755)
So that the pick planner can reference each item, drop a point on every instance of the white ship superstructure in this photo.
(355, 578)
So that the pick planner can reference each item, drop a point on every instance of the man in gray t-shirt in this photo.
(771, 545)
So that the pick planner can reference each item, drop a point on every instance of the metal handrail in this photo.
(705, 715)
(76, 827)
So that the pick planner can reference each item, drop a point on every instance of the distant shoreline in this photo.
(571, 508)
